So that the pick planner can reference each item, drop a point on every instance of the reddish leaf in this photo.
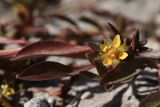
(4, 40)
(30, 30)
(91, 76)
(115, 31)
(9, 53)
(62, 17)
(152, 100)
(44, 48)
(50, 70)
(126, 70)
(77, 70)
(92, 22)
(135, 40)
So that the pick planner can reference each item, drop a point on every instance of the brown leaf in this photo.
(92, 22)
(127, 70)
(115, 31)
(62, 17)
(77, 70)
(4, 40)
(9, 53)
(135, 40)
(45, 48)
(45, 71)
(90, 75)
(152, 100)
(50, 70)
(30, 30)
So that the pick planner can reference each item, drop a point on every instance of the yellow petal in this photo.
(107, 61)
(12, 91)
(123, 55)
(4, 86)
(112, 53)
(116, 41)
(103, 48)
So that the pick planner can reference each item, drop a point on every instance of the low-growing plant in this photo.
(118, 58)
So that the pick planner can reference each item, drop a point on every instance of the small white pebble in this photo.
(37, 102)
(86, 95)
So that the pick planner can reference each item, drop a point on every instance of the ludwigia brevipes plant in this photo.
(117, 61)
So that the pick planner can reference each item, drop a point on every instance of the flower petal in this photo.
(103, 48)
(112, 53)
(116, 41)
(123, 55)
(107, 61)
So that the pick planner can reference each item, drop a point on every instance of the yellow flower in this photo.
(20, 9)
(112, 53)
(6, 90)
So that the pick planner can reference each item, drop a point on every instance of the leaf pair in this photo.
(137, 46)
(51, 70)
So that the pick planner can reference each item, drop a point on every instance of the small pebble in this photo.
(86, 95)
(37, 102)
